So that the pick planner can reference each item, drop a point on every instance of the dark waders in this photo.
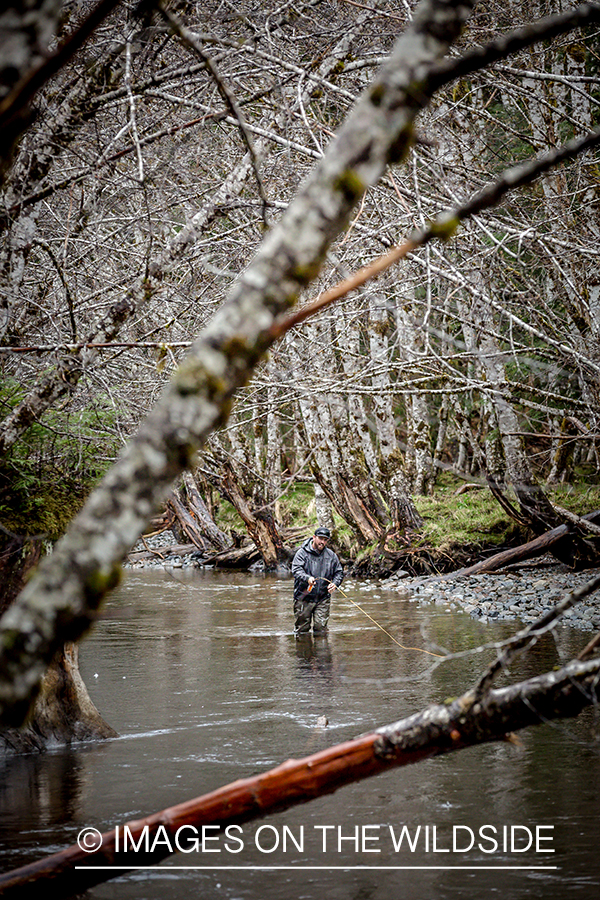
(307, 611)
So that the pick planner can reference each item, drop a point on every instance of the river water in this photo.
(202, 678)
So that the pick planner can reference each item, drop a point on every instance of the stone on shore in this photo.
(524, 594)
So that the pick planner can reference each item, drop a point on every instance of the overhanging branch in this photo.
(61, 600)
(437, 730)
(512, 42)
(13, 104)
(443, 226)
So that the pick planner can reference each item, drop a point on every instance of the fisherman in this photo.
(317, 572)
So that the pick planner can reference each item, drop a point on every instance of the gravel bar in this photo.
(500, 596)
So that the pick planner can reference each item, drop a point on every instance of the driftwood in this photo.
(470, 720)
(163, 553)
(202, 516)
(233, 558)
(187, 522)
(248, 554)
(255, 514)
(192, 515)
(237, 558)
(517, 554)
(161, 522)
(532, 548)
(584, 522)
(468, 486)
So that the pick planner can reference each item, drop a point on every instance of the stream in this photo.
(202, 678)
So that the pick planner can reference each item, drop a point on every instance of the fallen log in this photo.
(437, 730)
(204, 521)
(532, 548)
(238, 558)
(188, 524)
(163, 553)
(517, 554)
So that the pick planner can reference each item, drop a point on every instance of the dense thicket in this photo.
(154, 162)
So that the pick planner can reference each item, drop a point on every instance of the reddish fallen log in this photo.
(435, 731)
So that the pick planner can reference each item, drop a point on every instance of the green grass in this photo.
(471, 519)
(297, 510)
(467, 519)
(298, 507)
(579, 498)
(475, 518)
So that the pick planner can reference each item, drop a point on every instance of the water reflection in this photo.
(201, 676)
(315, 660)
(41, 790)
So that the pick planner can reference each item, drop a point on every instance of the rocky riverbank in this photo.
(162, 551)
(524, 594)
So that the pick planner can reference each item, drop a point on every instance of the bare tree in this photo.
(60, 601)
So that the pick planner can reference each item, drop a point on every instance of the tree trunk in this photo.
(206, 524)
(259, 521)
(534, 506)
(410, 337)
(327, 464)
(186, 522)
(526, 551)
(274, 443)
(346, 428)
(18, 556)
(404, 515)
(85, 563)
(63, 711)
(324, 508)
(562, 449)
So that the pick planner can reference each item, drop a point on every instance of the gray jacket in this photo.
(324, 565)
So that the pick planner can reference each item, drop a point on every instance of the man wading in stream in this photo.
(317, 572)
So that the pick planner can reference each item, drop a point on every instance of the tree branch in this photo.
(61, 600)
(12, 105)
(435, 731)
(530, 635)
(443, 226)
(227, 95)
(514, 41)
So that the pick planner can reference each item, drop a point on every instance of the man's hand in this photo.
(311, 582)
(331, 586)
